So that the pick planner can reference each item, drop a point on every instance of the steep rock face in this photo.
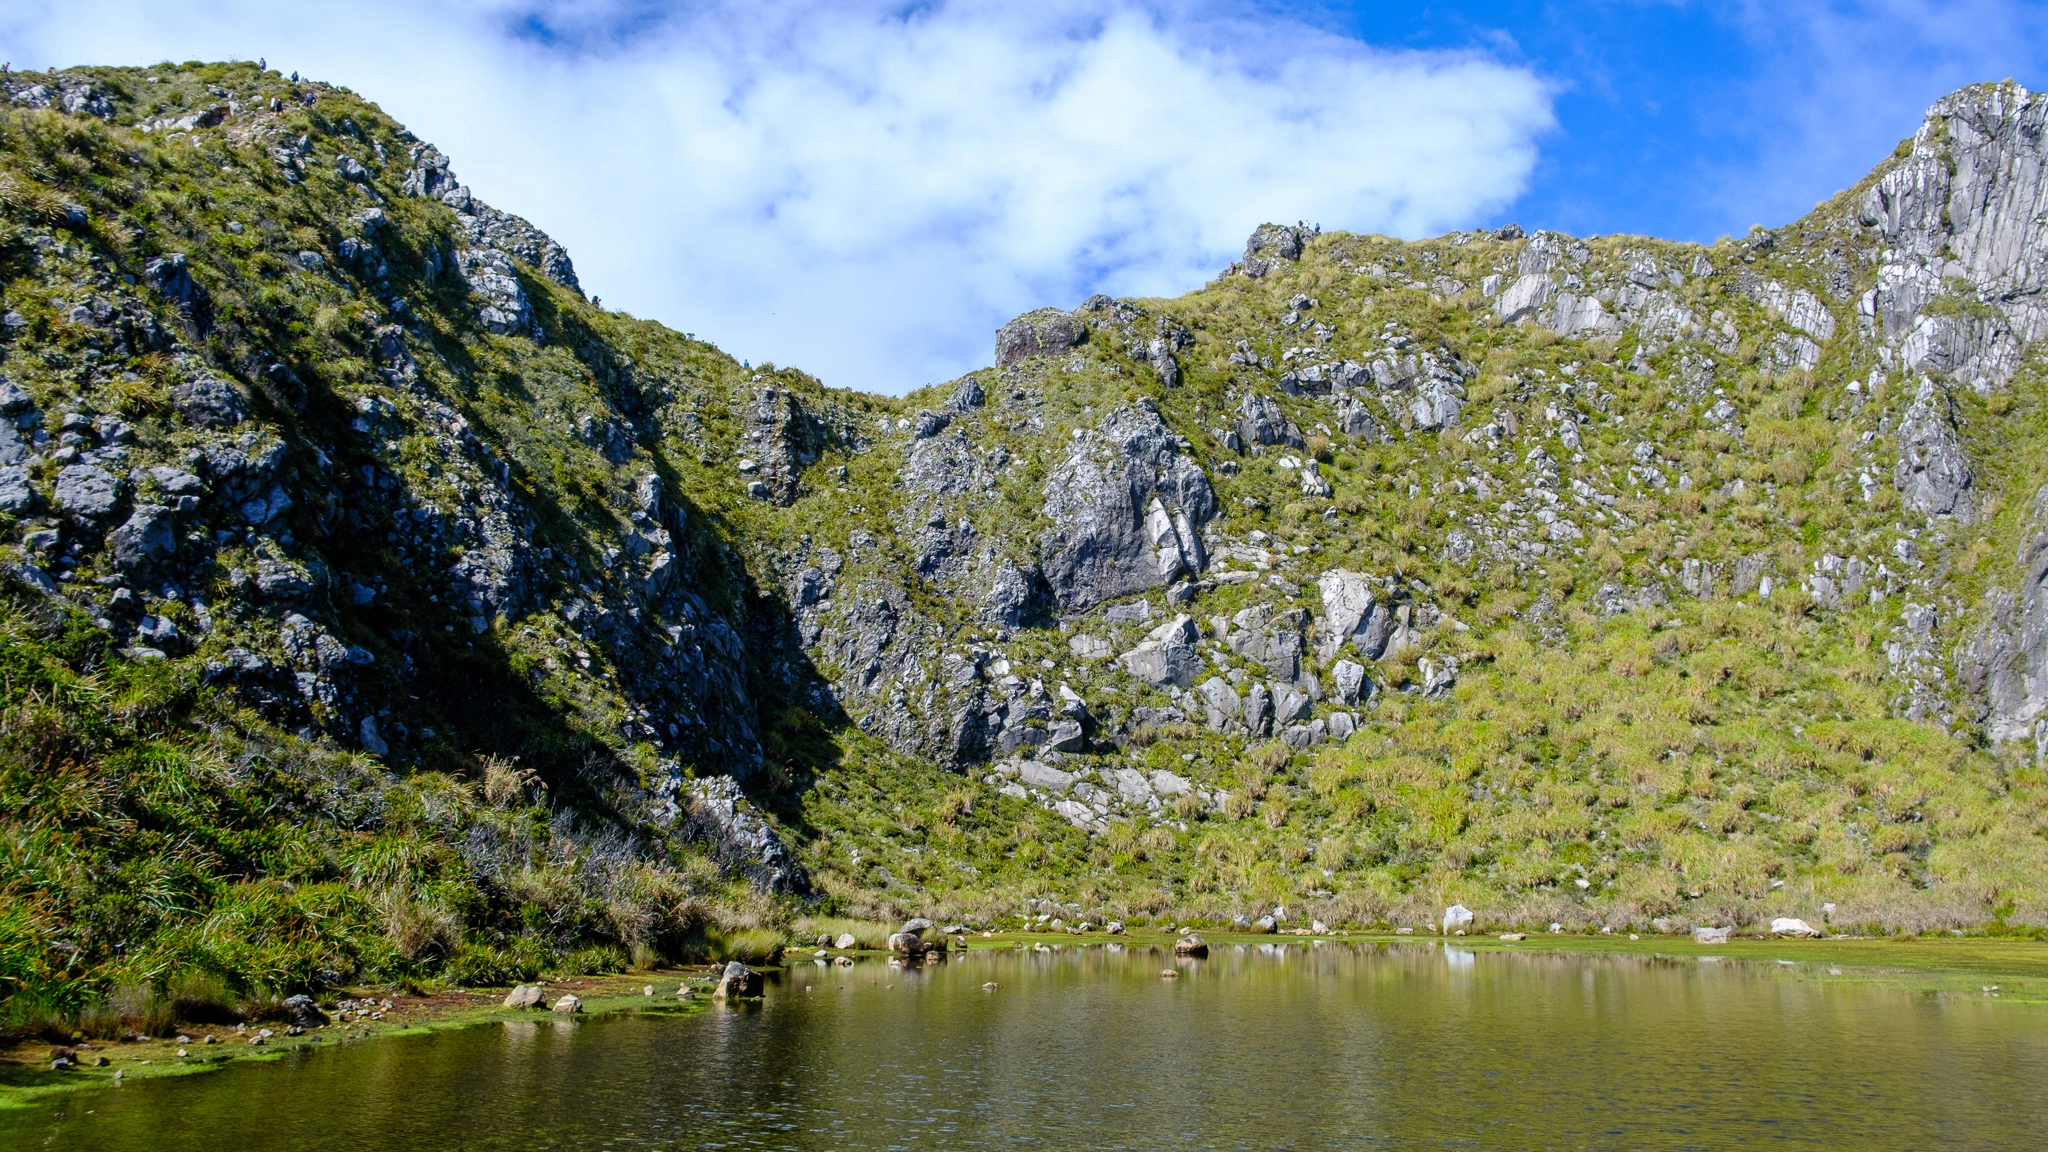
(1965, 207)
(1127, 508)
(2004, 663)
(1932, 475)
(782, 438)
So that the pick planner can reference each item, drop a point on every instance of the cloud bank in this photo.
(866, 191)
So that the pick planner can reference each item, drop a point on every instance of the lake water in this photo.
(1261, 1047)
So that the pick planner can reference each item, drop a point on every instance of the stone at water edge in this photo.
(1114, 927)
(1792, 926)
(569, 1004)
(524, 996)
(304, 1012)
(1511, 937)
(904, 942)
(846, 942)
(1456, 916)
(1264, 925)
(1706, 935)
(1318, 927)
(917, 926)
(1191, 944)
(739, 982)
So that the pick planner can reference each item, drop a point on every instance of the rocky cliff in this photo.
(1599, 580)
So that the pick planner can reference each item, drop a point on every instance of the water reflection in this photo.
(1273, 1045)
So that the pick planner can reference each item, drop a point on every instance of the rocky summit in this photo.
(379, 606)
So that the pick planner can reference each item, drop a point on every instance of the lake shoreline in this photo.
(2013, 970)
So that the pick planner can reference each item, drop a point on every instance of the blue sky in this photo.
(1694, 120)
(867, 188)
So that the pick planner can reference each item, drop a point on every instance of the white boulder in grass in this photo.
(1455, 917)
(1792, 926)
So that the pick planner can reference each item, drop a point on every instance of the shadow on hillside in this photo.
(446, 695)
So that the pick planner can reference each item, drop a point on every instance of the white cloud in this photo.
(867, 191)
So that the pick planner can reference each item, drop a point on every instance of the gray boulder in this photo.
(1010, 596)
(1160, 664)
(1258, 711)
(525, 996)
(1271, 638)
(1348, 602)
(303, 1012)
(967, 397)
(1224, 706)
(1045, 776)
(1350, 679)
(1355, 419)
(1272, 247)
(1260, 421)
(1045, 332)
(738, 982)
(209, 403)
(148, 535)
(1289, 704)
(86, 490)
(1160, 353)
(15, 493)
(172, 279)
(13, 449)
(1066, 736)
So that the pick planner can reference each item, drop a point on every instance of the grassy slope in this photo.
(1712, 760)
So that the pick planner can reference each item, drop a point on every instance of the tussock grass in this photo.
(872, 935)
